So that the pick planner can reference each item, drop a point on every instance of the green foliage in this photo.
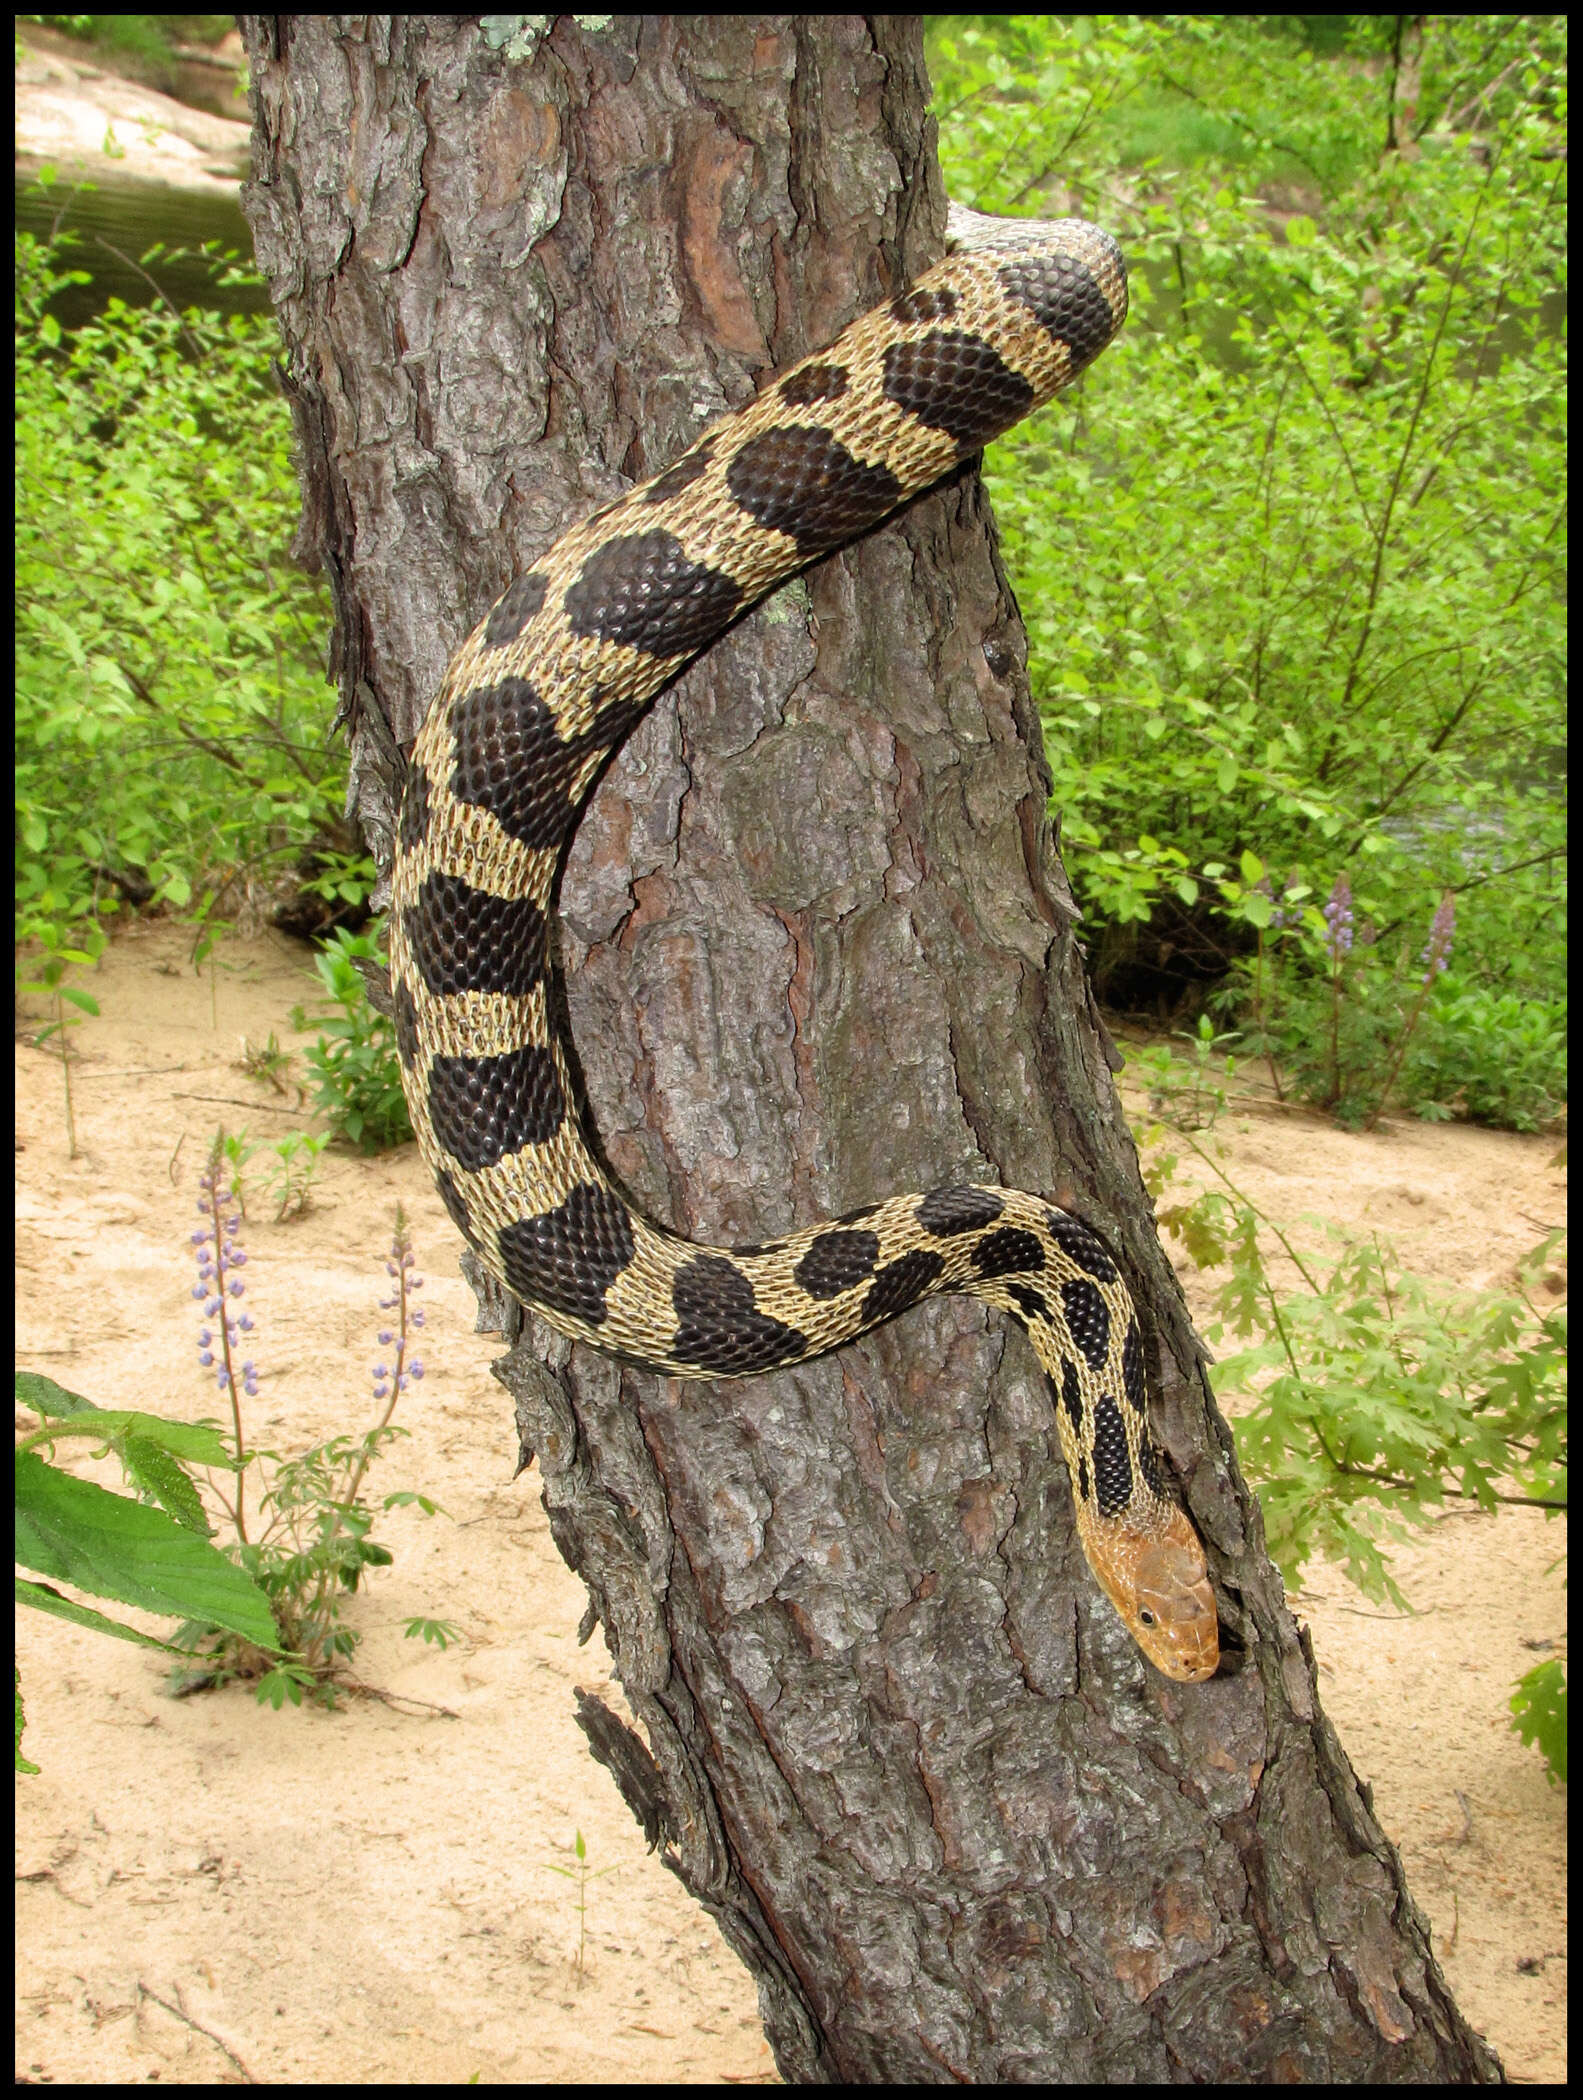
(171, 701)
(1494, 1056)
(356, 1070)
(1358, 1023)
(1294, 574)
(268, 1605)
(1540, 1705)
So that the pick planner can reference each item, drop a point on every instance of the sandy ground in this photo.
(368, 1896)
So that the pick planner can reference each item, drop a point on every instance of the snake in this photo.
(534, 703)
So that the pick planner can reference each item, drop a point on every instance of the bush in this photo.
(170, 691)
(1293, 565)
(1493, 1056)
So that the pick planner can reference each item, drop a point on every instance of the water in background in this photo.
(116, 223)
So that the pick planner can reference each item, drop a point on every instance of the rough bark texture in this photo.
(820, 950)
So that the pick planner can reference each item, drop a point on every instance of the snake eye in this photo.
(1147, 1617)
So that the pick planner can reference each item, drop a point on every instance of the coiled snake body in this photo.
(535, 700)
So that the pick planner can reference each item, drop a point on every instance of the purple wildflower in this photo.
(1437, 955)
(220, 1255)
(1338, 919)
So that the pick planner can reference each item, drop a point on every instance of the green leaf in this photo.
(1226, 774)
(112, 1546)
(43, 1598)
(1252, 868)
(1540, 1707)
(156, 1473)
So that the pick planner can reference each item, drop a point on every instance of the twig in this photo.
(399, 1700)
(264, 1108)
(179, 2012)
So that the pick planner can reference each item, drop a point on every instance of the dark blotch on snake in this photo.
(945, 1212)
(923, 305)
(1030, 1303)
(1072, 1395)
(1149, 1465)
(468, 940)
(957, 383)
(811, 383)
(413, 822)
(719, 1327)
(514, 608)
(899, 1284)
(567, 1258)
(643, 592)
(485, 1108)
(806, 484)
(511, 760)
(1132, 1379)
(836, 1261)
(1082, 1476)
(688, 469)
(1082, 1245)
(1009, 1252)
(1064, 298)
(1088, 1320)
(1112, 1460)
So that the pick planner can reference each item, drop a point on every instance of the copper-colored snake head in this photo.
(1160, 1586)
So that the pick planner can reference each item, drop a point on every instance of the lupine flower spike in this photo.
(220, 1288)
(1338, 919)
(1437, 956)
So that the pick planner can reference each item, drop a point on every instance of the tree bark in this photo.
(819, 948)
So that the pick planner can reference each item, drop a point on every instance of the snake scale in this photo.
(535, 701)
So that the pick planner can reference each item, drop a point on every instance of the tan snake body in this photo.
(535, 700)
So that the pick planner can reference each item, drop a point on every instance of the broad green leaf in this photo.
(111, 1546)
(43, 1598)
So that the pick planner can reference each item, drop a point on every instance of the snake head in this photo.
(1173, 1615)
(1160, 1588)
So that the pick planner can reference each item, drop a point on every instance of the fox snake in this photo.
(534, 702)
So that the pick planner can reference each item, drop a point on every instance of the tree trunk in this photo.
(818, 949)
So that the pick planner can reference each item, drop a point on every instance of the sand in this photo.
(211, 1890)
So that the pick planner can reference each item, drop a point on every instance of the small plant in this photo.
(290, 1172)
(310, 1546)
(51, 984)
(356, 1071)
(1186, 1092)
(582, 1874)
(236, 1152)
(269, 1062)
